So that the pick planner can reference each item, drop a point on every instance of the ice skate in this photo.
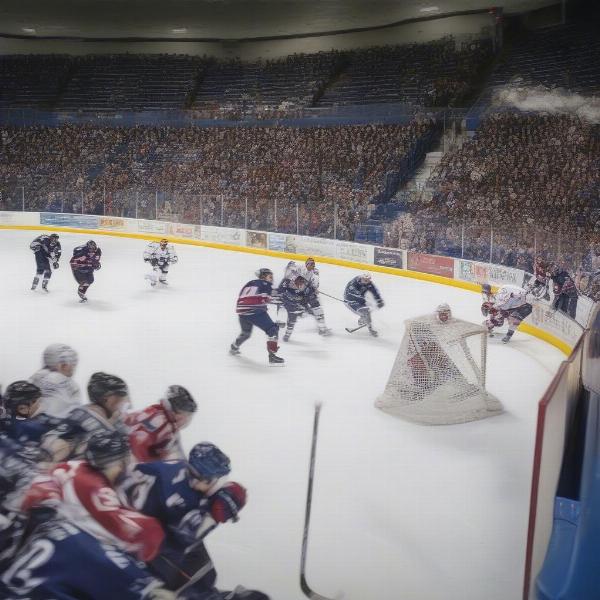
(234, 350)
(325, 331)
(373, 332)
(275, 360)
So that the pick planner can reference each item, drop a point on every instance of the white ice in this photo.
(400, 511)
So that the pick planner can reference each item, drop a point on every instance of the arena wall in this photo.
(463, 28)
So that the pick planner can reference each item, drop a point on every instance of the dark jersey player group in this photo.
(297, 297)
(85, 260)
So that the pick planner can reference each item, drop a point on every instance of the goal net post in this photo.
(438, 377)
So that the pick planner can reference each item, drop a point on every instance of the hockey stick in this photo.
(306, 590)
(209, 525)
(333, 297)
(355, 328)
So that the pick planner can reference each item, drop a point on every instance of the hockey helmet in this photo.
(102, 385)
(443, 313)
(365, 277)
(207, 462)
(264, 273)
(178, 400)
(106, 448)
(163, 243)
(300, 282)
(21, 393)
(310, 263)
(91, 244)
(59, 354)
(486, 289)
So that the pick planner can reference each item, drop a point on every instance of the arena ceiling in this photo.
(221, 19)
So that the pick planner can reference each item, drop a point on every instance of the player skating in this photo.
(60, 393)
(251, 308)
(355, 299)
(154, 431)
(85, 260)
(46, 249)
(509, 302)
(160, 255)
(312, 303)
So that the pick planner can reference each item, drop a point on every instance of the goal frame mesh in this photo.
(439, 375)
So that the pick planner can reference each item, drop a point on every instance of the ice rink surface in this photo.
(400, 511)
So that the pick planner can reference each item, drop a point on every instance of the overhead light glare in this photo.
(429, 9)
(28, 29)
(179, 30)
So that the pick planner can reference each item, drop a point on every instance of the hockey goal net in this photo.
(438, 376)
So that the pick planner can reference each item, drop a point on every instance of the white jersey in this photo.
(60, 394)
(312, 277)
(509, 297)
(164, 256)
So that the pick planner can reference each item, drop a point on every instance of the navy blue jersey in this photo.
(49, 566)
(28, 431)
(86, 260)
(254, 297)
(356, 290)
(293, 298)
(48, 246)
(161, 489)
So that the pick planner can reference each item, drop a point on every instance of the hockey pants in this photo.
(263, 321)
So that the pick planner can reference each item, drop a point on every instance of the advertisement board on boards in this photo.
(432, 264)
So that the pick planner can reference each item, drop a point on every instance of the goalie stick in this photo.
(306, 590)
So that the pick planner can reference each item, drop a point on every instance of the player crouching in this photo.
(354, 297)
(160, 255)
(510, 302)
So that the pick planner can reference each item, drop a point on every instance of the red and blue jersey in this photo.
(254, 297)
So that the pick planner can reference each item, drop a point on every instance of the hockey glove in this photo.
(380, 303)
(55, 264)
(154, 262)
(225, 504)
(97, 266)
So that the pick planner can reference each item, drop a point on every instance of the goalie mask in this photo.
(443, 313)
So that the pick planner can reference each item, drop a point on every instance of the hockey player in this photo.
(292, 293)
(252, 304)
(154, 431)
(565, 291)
(538, 286)
(60, 393)
(204, 499)
(85, 260)
(22, 422)
(46, 249)
(354, 297)
(312, 303)
(509, 302)
(108, 402)
(93, 527)
(160, 255)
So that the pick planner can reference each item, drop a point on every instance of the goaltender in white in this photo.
(160, 255)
